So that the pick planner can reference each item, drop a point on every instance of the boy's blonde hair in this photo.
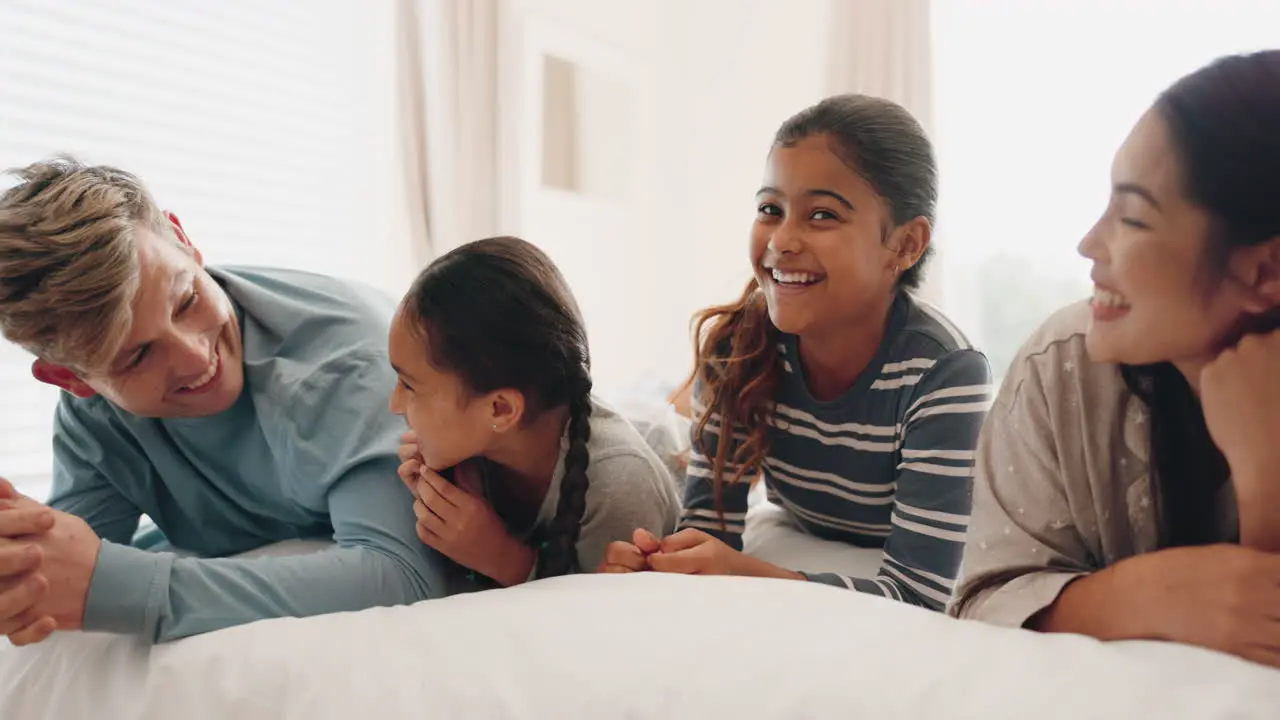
(69, 259)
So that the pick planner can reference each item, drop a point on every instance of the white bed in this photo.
(642, 646)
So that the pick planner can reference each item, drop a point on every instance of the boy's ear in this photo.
(59, 376)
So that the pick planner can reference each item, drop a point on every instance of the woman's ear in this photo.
(506, 409)
(1256, 271)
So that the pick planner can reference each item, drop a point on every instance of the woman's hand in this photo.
(466, 529)
(1240, 395)
(1230, 601)
(1221, 597)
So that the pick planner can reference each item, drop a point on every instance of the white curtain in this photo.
(455, 107)
(884, 48)
(412, 131)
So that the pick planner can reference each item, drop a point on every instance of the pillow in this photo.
(638, 646)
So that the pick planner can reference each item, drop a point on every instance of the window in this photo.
(1033, 99)
(263, 125)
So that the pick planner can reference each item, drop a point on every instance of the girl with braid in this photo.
(517, 470)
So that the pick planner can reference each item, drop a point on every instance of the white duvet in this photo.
(641, 646)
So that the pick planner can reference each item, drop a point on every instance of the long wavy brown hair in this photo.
(737, 365)
(736, 372)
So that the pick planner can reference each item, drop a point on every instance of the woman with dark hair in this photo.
(517, 470)
(1128, 480)
(857, 403)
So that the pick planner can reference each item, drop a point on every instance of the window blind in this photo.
(262, 123)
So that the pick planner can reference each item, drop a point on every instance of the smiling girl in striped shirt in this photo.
(858, 404)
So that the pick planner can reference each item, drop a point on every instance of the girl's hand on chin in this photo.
(464, 527)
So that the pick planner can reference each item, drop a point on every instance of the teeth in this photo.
(205, 378)
(1107, 298)
(794, 278)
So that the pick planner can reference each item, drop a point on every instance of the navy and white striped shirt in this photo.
(887, 464)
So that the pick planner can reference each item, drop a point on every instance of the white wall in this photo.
(742, 69)
(714, 79)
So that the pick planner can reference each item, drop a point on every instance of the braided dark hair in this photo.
(498, 313)
(559, 540)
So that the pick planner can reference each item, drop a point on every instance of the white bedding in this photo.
(642, 646)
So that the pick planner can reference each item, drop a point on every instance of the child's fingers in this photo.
(426, 536)
(438, 492)
(409, 472)
(425, 514)
(409, 447)
(684, 540)
(625, 555)
(686, 562)
(646, 541)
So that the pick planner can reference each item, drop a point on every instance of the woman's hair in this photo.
(498, 313)
(737, 358)
(1225, 123)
